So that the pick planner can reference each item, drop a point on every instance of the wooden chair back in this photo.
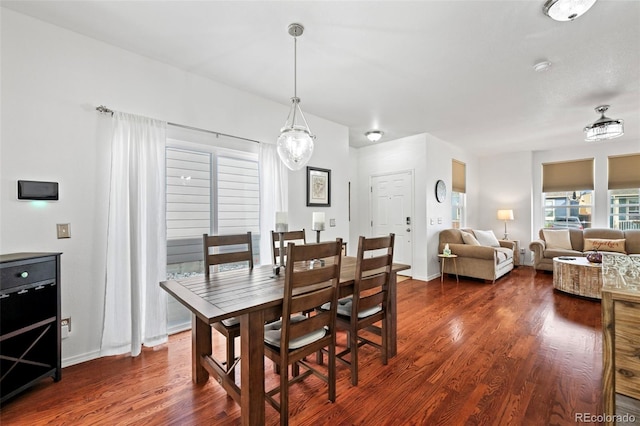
(309, 287)
(369, 303)
(309, 283)
(227, 249)
(299, 237)
(373, 271)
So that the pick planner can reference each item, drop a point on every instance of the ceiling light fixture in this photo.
(566, 10)
(295, 144)
(542, 66)
(374, 135)
(604, 128)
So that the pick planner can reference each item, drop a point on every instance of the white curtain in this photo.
(135, 309)
(274, 190)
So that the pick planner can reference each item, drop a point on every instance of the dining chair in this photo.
(299, 237)
(308, 284)
(367, 308)
(227, 250)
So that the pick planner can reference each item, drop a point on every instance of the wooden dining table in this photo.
(254, 296)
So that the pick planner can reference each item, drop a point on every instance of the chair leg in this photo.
(385, 341)
(332, 372)
(353, 341)
(284, 397)
(231, 351)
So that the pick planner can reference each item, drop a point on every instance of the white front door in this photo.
(392, 211)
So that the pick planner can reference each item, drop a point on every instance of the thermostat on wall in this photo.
(37, 190)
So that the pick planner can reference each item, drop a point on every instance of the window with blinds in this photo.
(238, 183)
(210, 190)
(568, 193)
(458, 193)
(624, 191)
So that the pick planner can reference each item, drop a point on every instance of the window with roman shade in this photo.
(567, 188)
(458, 193)
(624, 191)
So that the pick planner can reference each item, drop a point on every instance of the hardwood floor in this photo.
(512, 353)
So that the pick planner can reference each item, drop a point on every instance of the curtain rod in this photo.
(104, 110)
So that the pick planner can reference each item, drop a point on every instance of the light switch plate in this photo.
(332, 222)
(64, 230)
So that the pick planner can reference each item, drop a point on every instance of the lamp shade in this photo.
(505, 214)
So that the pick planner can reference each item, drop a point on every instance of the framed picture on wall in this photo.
(318, 187)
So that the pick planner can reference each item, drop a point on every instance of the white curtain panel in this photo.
(135, 310)
(274, 190)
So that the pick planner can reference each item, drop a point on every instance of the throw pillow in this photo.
(469, 239)
(601, 244)
(486, 238)
(557, 239)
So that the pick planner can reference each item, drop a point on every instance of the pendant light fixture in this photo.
(295, 144)
(604, 128)
(566, 10)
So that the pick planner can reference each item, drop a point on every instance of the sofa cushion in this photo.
(551, 253)
(502, 254)
(632, 244)
(557, 239)
(601, 244)
(468, 238)
(486, 238)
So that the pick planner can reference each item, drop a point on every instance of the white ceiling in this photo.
(459, 70)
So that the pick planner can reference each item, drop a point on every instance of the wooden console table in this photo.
(621, 354)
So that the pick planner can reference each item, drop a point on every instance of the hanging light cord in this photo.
(295, 67)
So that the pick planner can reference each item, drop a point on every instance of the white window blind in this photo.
(238, 198)
(188, 193)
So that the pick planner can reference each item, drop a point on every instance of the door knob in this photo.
(408, 229)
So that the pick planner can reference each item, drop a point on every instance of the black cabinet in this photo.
(30, 347)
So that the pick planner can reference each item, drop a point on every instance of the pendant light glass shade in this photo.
(604, 128)
(295, 144)
(566, 10)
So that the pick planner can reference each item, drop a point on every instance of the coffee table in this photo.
(576, 275)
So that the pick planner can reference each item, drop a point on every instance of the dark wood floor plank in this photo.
(515, 352)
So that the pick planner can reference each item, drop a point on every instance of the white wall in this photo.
(505, 183)
(430, 159)
(394, 156)
(439, 166)
(52, 80)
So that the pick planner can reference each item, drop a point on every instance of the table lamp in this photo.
(505, 215)
(318, 224)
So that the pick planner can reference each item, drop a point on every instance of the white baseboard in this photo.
(77, 359)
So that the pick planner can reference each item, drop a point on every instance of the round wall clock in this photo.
(441, 191)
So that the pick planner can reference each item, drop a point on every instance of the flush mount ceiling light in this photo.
(604, 128)
(295, 144)
(566, 10)
(542, 66)
(374, 135)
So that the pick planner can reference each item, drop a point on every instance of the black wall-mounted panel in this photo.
(37, 190)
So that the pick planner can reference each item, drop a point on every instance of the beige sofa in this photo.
(543, 256)
(484, 262)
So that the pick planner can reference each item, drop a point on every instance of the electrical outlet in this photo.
(65, 326)
(522, 251)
